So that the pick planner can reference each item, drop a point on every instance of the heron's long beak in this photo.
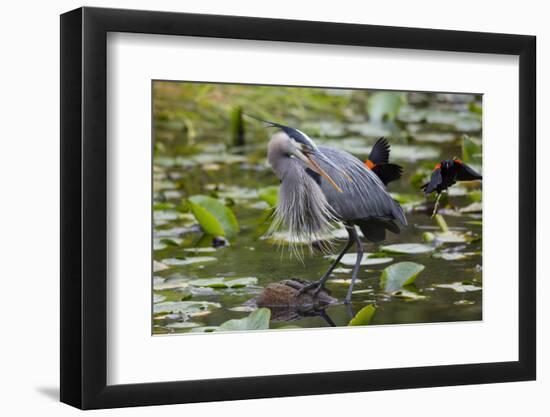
(315, 167)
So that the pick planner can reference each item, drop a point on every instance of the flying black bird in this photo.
(321, 186)
(445, 174)
(378, 162)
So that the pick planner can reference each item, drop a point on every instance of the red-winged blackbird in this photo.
(378, 162)
(447, 173)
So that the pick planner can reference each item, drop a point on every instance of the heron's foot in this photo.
(316, 286)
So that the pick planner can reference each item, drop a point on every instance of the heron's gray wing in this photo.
(365, 196)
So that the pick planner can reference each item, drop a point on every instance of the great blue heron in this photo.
(321, 186)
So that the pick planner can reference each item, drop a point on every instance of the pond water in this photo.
(428, 128)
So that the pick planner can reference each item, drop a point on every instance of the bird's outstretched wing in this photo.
(378, 162)
(435, 180)
(388, 172)
(363, 195)
(465, 172)
(380, 153)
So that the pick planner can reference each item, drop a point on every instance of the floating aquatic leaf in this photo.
(398, 275)
(368, 259)
(407, 248)
(472, 208)
(257, 320)
(468, 124)
(471, 149)
(214, 217)
(204, 329)
(341, 270)
(411, 153)
(183, 325)
(269, 195)
(407, 198)
(452, 256)
(200, 250)
(442, 117)
(459, 287)
(159, 266)
(187, 308)
(157, 298)
(464, 302)
(365, 291)
(363, 316)
(407, 294)
(457, 191)
(435, 137)
(245, 309)
(385, 104)
(171, 284)
(224, 282)
(158, 245)
(344, 281)
(237, 194)
(369, 129)
(188, 261)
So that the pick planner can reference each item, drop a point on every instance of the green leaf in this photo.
(269, 194)
(471, 150)
(399, 275)
(188, 261)
(368, 259)
(257, 320)
(223, 282)
(384, 104)
(214, 217)
(187, 308)
(459, 287)
(364, 316)
(407, 248)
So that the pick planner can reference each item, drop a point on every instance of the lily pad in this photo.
(407, 248)
(385, 104)
(170, 284)
(200, 250)
(350, 259)
(450, 256)
(472, 208)
(159, 266)
(459, 287)
(257, 320)
(269, 195)
(471, 149)
(183, 325)
(187, 308)
(435, 137)
(157, 298)
(214, 217)
(408, 295)
(224, 282)
(411, 153)
(363, 316)
(188, 261)
(398, 275)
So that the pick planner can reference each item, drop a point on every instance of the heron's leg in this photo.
(353, 233)
(320, 284)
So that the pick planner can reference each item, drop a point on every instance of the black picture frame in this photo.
(84, 207)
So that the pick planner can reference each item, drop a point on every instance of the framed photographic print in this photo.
(258, 208)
